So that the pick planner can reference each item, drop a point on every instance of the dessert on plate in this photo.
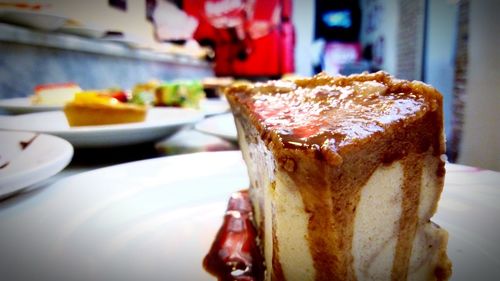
(179, 93)
(144, 93)
(214, 86)
(56, 94)
(345, 175)
(95, 108)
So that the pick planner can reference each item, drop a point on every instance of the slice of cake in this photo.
(345, 174)
(56, 94)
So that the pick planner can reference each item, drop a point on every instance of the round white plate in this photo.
(82, 30)
(23, 105)
(127, 40)
(45, 156)
(156, 219)
(220, 125)
(37, 20)
(214, 106)
(159, 123)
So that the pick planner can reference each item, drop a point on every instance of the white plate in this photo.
(214, 106)
(159, 123)
(24, 105)
(128, 40)
(43, 157)
(156, 219)
(81, 30)
(220, 125)
(37, 20)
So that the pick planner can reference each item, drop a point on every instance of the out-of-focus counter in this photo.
(30, 57)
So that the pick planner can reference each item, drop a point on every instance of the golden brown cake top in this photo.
(332, 113)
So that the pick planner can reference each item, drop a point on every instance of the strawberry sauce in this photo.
(234, 254)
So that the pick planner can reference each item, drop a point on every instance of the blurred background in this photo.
(450, 44)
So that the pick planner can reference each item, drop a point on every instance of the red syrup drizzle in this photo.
(25, 144)
(234, 254)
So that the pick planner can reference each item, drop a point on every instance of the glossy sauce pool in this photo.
(234, 254)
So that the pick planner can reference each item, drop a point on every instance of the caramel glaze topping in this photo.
(329, 134)
(327, 115)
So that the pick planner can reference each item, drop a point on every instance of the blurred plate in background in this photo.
(84, 31)
(159, 123)
(214, 106)
(24, 105)
(36, 20)
(27, 158)
(220, 125)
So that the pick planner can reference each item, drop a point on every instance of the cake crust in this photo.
(82, 114)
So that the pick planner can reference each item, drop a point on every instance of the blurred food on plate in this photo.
(54, 93)
(101, 108)
(181, 93)
(214, 86)
(23, 5)
(291, 77)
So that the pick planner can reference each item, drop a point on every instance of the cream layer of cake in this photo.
(345, 175)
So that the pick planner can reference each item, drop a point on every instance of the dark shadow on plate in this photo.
(114, 155)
